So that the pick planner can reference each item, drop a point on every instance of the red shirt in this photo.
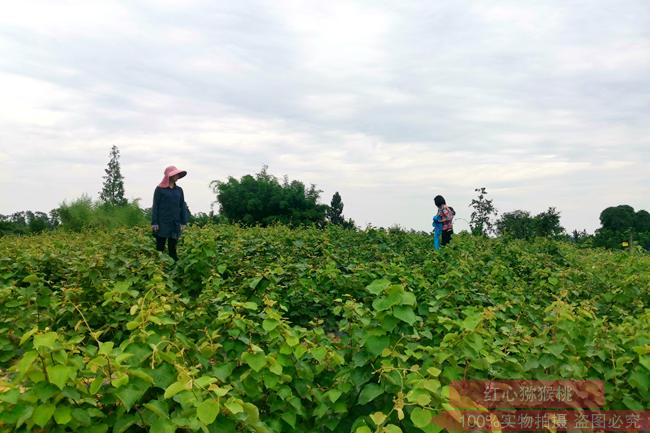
(446, 217)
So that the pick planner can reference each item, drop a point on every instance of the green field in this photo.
(304, 330)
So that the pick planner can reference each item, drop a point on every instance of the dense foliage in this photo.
(621, 224)
(83, 213)
(28, 222)
(264, 200)
(520, 224)
(306, 330)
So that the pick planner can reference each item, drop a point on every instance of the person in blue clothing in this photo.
(437, 232)
(169, 213)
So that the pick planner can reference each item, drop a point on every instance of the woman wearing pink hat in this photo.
(169, 213)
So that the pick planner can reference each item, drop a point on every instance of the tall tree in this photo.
(113, 189)
(481, 217)
(335, 211)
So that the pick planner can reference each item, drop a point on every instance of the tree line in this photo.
(263, 199)
(620, 226)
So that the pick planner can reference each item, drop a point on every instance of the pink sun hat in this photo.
(169, 172)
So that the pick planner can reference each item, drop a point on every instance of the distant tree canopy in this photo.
(621, 224)
(28, 222)
(262, 200)
(519, 224)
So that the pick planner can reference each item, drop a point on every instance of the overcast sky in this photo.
(545, 103)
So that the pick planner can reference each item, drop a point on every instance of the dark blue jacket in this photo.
(169, 211)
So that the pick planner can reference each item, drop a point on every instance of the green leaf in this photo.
(471, 322)
(370, 392)
(10, 396)
(421, 417)
(377, 343)
(378, 418)
(289, 418)
(252, 412)
(419, 396)
(43, 413)
(234, 407)
(255, 282)
(47, 340)
(431, 385)
(23, 414)
(408, 298)
(256, 361)
(26, 362)
(631, 403)
(363, 429)
(121, 380)
(122, 423)
(556, 349)
(96, 384)
(405, 314)
(640, 379)
(159, 407)
(270, 324)
(433, 371)
(292, 340)
(204, 381)
(333, 395)
(28, 334)
(318, 353)
(378, 286)
(62, 415)
(392, 428)
(250, 305)
(31, 279)
(106, 347)
(175, 388)
(59, 374)
(131, 393)
(162, 425)
(223, 371)
(164, 375)
(385, 302)
(645, 361)
(207, 411)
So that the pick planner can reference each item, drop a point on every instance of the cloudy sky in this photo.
(545, 103)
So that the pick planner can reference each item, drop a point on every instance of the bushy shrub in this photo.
(83, 213)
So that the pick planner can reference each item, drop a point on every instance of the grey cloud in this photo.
(436, 97)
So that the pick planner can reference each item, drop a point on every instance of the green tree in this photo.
(335, 210)
(622, 224)
(113, 189)
(263, 200)
(517, 224)
(618, 218)
(642, 221)
(547, 224)
(481, 217)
